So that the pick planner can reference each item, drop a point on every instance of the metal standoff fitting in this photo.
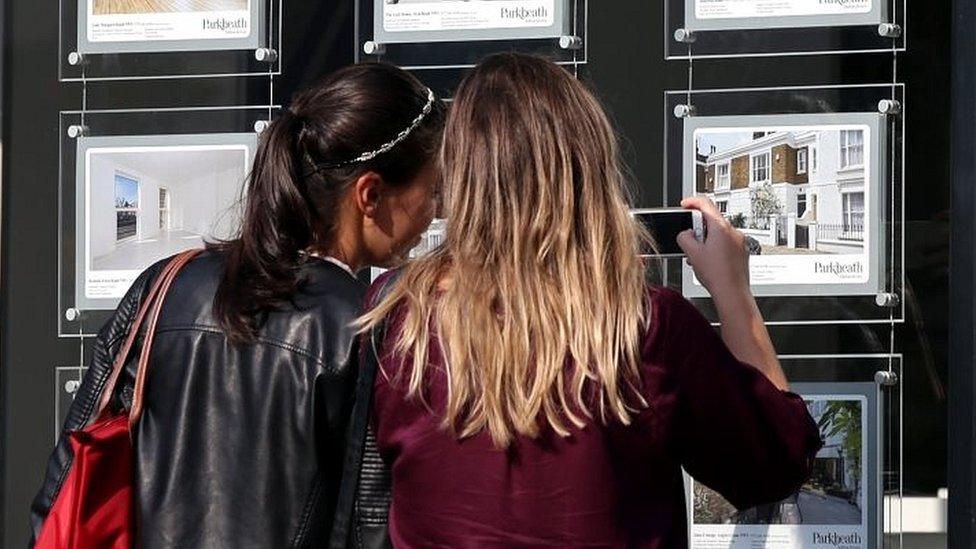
(75, 59)
(684, 111)
(887, 299)
(74, 132)
(890, 107)
(685, 36)
(72, 314)
(260, 126)
(570, 42)
(71, 386)
(889, 30)
(266, 55)
(886, 378)
(374, 48)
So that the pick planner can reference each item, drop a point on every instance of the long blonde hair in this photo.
(536, 295)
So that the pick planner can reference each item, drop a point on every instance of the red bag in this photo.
(95, 508)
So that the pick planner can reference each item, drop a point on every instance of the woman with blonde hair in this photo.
(533, 390)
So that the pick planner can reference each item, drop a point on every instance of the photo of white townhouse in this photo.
(794, 190)
(432, 238)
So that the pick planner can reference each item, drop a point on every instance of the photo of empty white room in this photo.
(145, 204)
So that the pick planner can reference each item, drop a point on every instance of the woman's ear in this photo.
(366, 193)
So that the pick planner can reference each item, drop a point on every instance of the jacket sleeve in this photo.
(107, 344)
(363, 503)
(737, 432)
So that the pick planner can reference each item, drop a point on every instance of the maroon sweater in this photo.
(605, 486)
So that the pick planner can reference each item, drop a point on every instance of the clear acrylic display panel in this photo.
(855, 378)
(792, 35)
(196, 123)
(66, 383)
(440, 51)
(445, 81)
(831, 372)
(805, 309)
(189, 58)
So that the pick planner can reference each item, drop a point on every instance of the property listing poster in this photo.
(749, 9)
(167, 20)
(802, 195)
(830, 510)
(461, 15)
(144, 203)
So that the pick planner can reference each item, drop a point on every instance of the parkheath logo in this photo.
(845, 3)
(837, 268)
(525, 14)
(833, 539)
(225, 24)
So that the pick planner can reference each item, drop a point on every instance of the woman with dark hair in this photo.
(241, 437)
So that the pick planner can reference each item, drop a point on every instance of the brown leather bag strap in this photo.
(140, 383)
(122, 356)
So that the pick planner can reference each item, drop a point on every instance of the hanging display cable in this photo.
(892, 377)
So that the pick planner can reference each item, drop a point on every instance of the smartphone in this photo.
(665, 224)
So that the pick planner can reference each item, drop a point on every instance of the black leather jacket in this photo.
(237, 446)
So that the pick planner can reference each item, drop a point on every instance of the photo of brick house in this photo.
(794, 190)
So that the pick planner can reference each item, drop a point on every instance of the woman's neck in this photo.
(344, 251)
(346, 242)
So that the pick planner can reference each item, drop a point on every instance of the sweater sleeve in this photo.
(735, 431)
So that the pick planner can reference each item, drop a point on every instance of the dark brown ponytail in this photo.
(300, 172)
